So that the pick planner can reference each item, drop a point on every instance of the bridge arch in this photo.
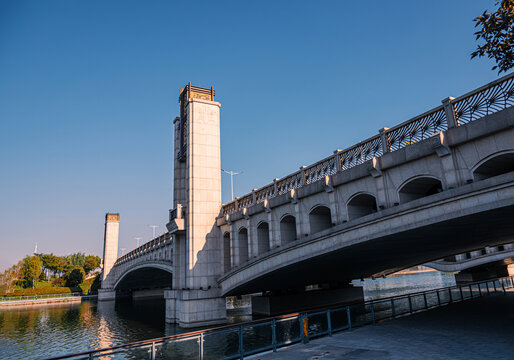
(138, 276)
(241, 255)
(320, 218)
(263, 243)
(361, 204)
(287, 229)
(227, 262)
(418, 187)
(493, 165)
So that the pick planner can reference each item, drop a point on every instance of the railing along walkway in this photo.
(486, 100)
(6, 299)
(272, 333)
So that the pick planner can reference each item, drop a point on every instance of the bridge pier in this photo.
(276, 304)
(194, 308)
(106, 294)
(485, 272)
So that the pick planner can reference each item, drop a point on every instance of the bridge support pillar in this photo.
(194, 308)
(106, 294)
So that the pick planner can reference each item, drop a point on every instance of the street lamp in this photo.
(232, 173)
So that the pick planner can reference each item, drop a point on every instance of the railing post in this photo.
(461, 297)
(438, 298)
(410, 304)
(302, 168)
(241, 348)
(479, 290)
(449, 109)
(393, 312)
(349, 318)
(503, 286)
(383, 140)
(200, 347)
(329, 323)
(305, 329)
(494, 284)
(337, 160)
(470, 291)
(274, 334)
(152, 352)
(372, 313)
(90, 356)
(425, 298)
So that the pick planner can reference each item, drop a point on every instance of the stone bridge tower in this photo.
(112, 227)
(194, 299)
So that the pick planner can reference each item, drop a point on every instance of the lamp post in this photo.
(232, 173)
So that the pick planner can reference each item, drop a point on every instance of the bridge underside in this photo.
(144, 282)
(392, 253)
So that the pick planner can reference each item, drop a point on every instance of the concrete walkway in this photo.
(482, 328)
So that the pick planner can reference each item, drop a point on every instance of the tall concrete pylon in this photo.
(112, 228)
(194, 299)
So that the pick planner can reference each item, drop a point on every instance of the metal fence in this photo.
(38, 297)
(272, 333)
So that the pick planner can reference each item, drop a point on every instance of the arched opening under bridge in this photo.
(497, 165)
(361, 205)
(320, 218)
(418, 188)
(288, 229)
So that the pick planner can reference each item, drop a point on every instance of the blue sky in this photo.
(88, 91)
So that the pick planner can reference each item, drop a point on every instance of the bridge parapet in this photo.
(486, 100)
(164, 240)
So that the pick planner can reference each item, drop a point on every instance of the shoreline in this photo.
(50, 301)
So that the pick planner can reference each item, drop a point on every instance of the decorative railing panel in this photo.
(361, 153)
(291, 182)
(265, 193)
(319, 170)
(245, 201)
(485, 101)
(417, 129)
(488, 99)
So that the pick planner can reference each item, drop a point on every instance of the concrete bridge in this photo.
(143, 272)
(438, 185)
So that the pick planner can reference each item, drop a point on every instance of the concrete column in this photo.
(195, 299)
(112, 226)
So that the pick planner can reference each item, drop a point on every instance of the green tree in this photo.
(31, 269)
(74, 276)
(95, 285)
(76, 259)
(496, 29)
(90, 263)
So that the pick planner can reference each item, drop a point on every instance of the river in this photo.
(38, 332)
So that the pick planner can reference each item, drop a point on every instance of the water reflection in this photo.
(37, 332)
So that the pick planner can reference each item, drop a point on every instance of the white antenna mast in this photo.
(35, 249)
(232, 173)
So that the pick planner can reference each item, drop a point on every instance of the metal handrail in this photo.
(373, 312)
(6, 298)
(487, 99)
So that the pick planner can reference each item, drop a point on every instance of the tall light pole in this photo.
(232, 173)
(153, 227)
(137, 239)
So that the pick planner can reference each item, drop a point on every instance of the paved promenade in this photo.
(482, 328)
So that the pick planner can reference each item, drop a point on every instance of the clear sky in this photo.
(88, 92)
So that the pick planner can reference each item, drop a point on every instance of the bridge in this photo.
(436, 186)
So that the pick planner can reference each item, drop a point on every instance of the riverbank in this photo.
(44, 301)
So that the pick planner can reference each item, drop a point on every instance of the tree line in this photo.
(69, 270)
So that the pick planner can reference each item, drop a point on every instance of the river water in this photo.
(39, 332)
